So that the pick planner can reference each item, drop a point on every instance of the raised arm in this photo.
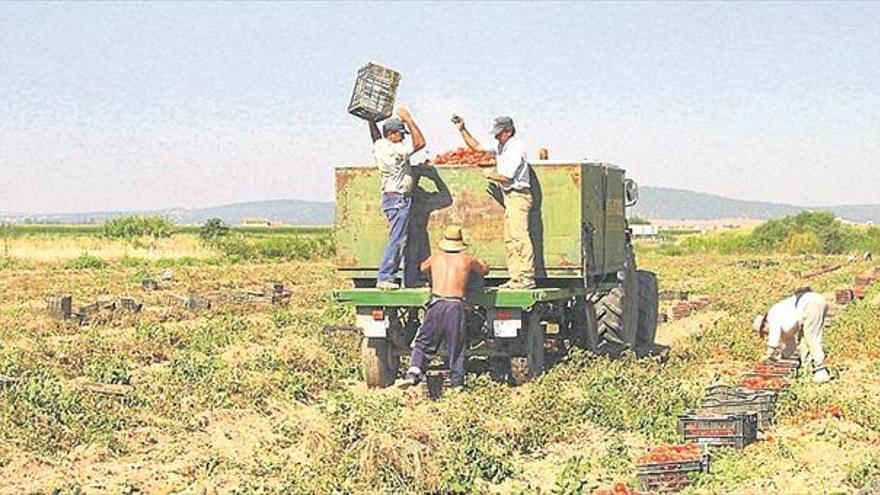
(417, 138)
(469, 140)
(374, 130)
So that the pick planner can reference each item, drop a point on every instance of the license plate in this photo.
(506, 329)
(373, 328)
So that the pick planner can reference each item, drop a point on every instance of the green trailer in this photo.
(589, 292)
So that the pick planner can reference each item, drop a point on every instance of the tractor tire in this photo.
(378, 363)
(647, 326)
(617, 311)
(584, 325)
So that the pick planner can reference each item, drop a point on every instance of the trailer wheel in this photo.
(584, 325)
(617, 311)
(378, 362)
(647, 327)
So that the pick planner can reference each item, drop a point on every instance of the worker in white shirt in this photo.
(513, 174)
(796, 323)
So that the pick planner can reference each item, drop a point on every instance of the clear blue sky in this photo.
(138, 106)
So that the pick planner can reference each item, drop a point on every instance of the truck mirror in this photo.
(630, 192)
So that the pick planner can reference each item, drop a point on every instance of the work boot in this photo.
(821, 375)
(413, 377)
(386, 285)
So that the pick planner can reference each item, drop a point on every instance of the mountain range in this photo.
(654, 203)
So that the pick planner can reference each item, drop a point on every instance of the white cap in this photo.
(759, 322)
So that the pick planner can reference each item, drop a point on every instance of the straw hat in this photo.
(452, 241)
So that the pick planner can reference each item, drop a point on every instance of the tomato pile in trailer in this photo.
(465, 156)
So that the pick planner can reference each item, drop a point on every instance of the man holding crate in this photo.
(796, 322)
(391, 154)
(513, 176)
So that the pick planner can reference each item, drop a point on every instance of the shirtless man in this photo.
(449, 271)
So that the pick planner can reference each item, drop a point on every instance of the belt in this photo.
(435, 297)
(394, 193)
(525, 190)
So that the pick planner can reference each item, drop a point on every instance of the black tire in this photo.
(378, 363)
(617, 311)
(584, 325)
(647, 307)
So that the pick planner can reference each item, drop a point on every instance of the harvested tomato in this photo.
(671, 453)
(465, 156)
(764, 382)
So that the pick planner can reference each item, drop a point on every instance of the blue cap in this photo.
(501, 123)
(393, 125)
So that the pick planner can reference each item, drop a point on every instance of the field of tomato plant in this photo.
(246, 398)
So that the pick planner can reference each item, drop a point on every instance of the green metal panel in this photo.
(566, 195)
(523, 299)
(615, 221)
(593, 194)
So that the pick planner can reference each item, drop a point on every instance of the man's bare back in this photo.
(450, 271)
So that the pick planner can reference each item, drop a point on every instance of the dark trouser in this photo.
(444, 321)
(396, 210)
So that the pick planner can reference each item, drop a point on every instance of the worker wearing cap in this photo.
(391, 154)
(796, 322)
(513, 175)
(449, 271)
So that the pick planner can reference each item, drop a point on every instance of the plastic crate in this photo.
(765, 409)
(732, 430)
(725, 392)
(784, 368)
(783, 386)
(374, 91)
(670, 476)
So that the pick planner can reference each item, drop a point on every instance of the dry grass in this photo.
(46, 249)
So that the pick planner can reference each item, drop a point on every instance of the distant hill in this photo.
(654, 203)
(667, 203)
(288, 211)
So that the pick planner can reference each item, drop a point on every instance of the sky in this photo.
(130, 106)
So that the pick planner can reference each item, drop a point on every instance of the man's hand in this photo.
(772, 354)
(458, 122)
(404, 114)
(495, 191)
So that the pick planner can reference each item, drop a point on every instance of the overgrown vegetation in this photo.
(133, 228)
(804, 233)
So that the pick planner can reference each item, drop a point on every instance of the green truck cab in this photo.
(589, 293)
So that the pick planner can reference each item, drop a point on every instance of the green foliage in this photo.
(804, 233)
(817, 230)
(84, 261)
(212, 231)
(133, 227)
(638, 221)
(863, 471)
(111, 368)
(291, 248)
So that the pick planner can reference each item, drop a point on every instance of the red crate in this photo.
(843, 296)
(752, 381)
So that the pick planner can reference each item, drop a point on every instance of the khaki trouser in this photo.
(809, 336)
(520, 257)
